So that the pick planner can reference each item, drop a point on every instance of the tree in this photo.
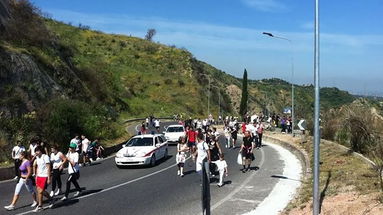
(243, 106)
(150, 34)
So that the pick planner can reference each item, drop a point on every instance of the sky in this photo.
(228, 35)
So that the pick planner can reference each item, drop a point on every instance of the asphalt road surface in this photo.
(158, 190)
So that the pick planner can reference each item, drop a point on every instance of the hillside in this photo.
(58, 80)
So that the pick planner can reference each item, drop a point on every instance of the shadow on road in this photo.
(72, 201)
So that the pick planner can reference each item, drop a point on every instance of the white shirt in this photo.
(17, 151)
(74, 158)
(42, 169)
(156, 123)
(204, 122)
(202, 148)
(251, 128)
(75, 141)
(32, 149)
(56, 160)
(85, 144)
(221, 165)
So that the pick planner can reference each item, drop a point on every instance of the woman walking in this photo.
(73, 170)
(215, 152)
(25, 180)
(247, 151)
(57, 160)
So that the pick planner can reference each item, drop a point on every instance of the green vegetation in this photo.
(340, 172)
(58, 80)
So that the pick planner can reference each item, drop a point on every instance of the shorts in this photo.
(41, 182)
(191, 144)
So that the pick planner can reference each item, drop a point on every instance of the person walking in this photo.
(215, 152)
(157, 125)
(259, 134)
(16, 151)
(57, 160)
(42, 168)
(202, 153)
(247, 151)
(181, 155)
(222, 169)
(73, 171)
(25, 180)
(31, 150)
(227, 136)
(84, 149)
(191, 137)
(234, 134)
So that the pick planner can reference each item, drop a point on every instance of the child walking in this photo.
(222, 168)
(181, 156)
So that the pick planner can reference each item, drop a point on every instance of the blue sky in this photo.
(228, 34)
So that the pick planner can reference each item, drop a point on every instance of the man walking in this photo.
(42, 169)
(16, 151)
(73, 171)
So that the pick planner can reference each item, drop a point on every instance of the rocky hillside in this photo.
(57, 80)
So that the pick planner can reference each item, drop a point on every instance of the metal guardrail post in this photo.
(205, 188)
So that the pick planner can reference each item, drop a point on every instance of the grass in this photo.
(340, 172)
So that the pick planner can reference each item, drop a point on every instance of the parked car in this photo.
(174, 132)
(144, 149)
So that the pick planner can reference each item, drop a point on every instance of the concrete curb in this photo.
(299, 153)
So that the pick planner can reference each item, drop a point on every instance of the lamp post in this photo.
(316, 198)
(219, 100)
(208, 95)
(292, 76)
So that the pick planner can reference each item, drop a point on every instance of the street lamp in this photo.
(292, 76)
(219, 100)
(316, 196)
(208, 95)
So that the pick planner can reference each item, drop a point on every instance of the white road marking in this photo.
(114, 187)
(243, 184)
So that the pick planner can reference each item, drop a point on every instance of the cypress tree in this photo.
(243, 106)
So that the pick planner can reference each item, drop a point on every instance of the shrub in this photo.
(168, 81)
(26, 25)
(60, 119)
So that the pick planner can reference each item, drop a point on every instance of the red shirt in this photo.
(191, 135)
(243, 127)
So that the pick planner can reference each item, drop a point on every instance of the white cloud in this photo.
(266, 5)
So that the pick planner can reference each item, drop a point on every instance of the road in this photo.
(158, 190)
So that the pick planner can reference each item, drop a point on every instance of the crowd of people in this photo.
(201, 143)
(41, 165)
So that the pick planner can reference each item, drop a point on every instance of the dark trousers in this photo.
(72, 179)
(17, 165)
(259, 143)
(56, 179)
